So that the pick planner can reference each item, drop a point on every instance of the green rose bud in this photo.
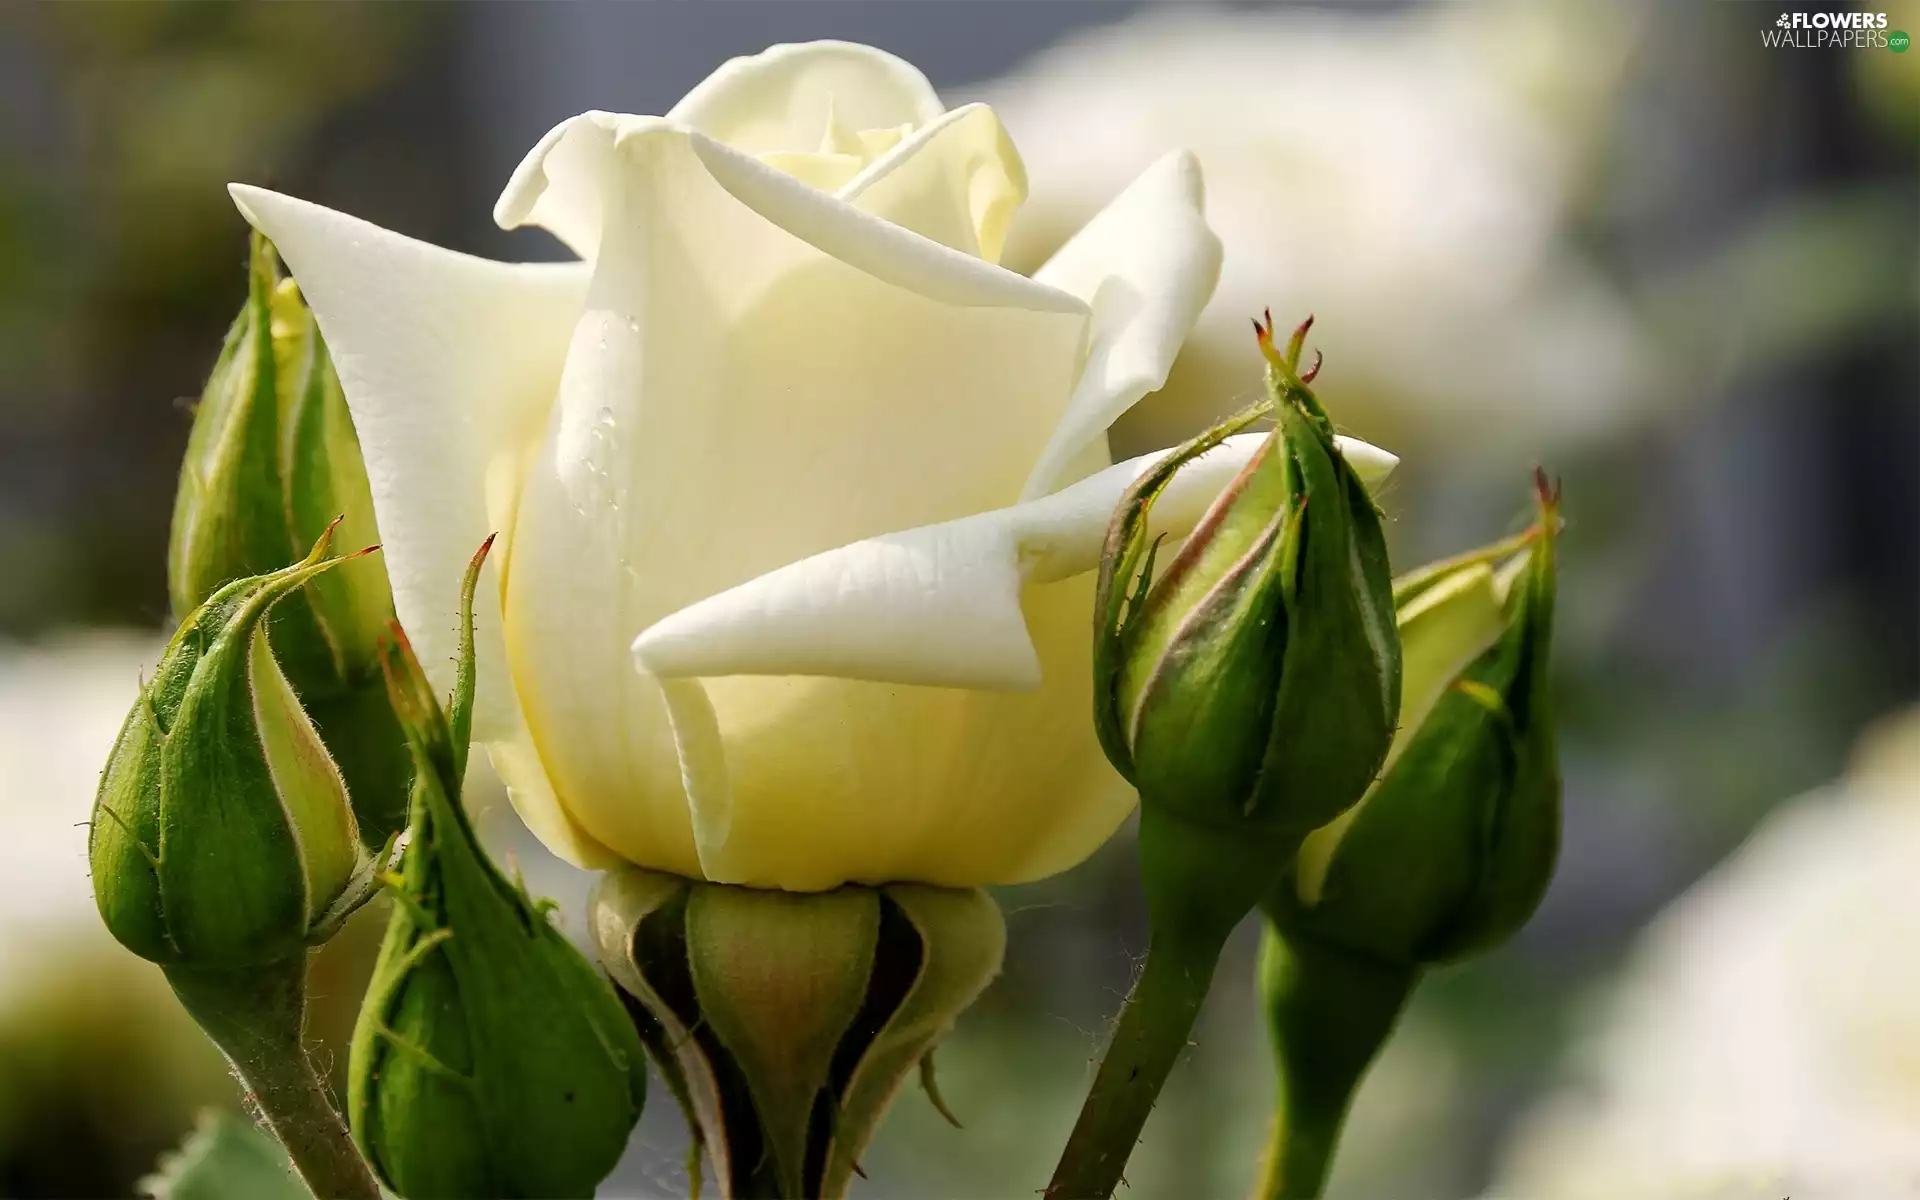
(784, 1022)
(1450, 852)
(1249, 693)
(221, 836)
(1251, 690)
(490, 1058)
(272, 461)
(1446, 855)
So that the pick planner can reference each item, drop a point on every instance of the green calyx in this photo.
(780, 977)
(273, 461)
(1450, 852)
(490, 1058)
(785, 1023)
(221, 834)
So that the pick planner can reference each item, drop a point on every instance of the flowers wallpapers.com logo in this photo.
(1834, 30)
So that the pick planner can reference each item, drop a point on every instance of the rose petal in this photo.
(946, 783)
(449, 365)
(1147, 264)
(956, 181)
(1441, 632)
(564, 180)
(784, 97)
(938, 605)
(781, 101)
(762, 372)
(517, 762)
(808, 783)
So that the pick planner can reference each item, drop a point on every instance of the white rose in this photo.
(1761, 1041)
(790, 426)
(1409, 176)
(69, 993)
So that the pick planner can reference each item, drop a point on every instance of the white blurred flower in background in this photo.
(96, 1056)
(1409, 176)
(1765, 1039)
(61, 706)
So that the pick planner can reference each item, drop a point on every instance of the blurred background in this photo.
(1626, 240)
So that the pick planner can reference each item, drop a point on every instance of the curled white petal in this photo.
(1146, 264)
(761, 371)
(938, 605)
(562, 183)
(956, 181)
(1368, 461)
(449, 365)
(784, 97)
(704, 775)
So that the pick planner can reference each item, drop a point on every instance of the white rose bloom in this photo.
(1765, 1040)
(791, 433)
(1407, 176)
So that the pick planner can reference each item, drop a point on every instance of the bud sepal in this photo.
(490, 1057)
(1447, 855)
(1249, 694)
(1451, 850)
(222, 834)
(784, 1022)
(271, 462)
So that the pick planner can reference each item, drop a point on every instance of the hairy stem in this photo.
(255, 1016)
(1199, 879)
(1148, 1040)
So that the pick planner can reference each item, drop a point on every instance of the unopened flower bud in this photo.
(221, 835)
(490, 1059)
(1249, 694)
(784, 1022)
(1253, 686)
(1450, 852)
(272, 462)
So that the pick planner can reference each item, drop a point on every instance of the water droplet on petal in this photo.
(596, 480)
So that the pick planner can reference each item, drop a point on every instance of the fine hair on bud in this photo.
(222, 835)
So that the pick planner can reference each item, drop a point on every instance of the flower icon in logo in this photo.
(1783, 22)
